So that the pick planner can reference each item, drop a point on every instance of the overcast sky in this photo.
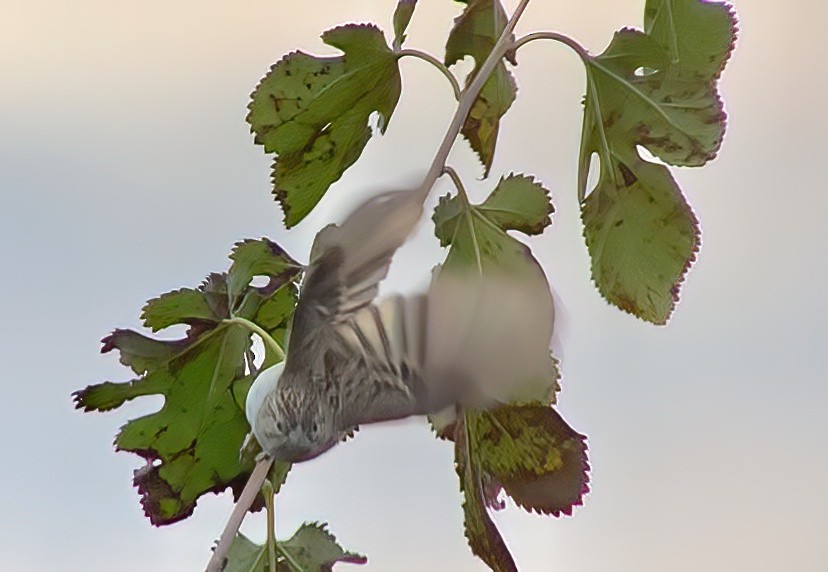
(127, 170)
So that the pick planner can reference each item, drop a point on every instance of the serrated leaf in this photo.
(483, 537)
(192, 443)
(402, 16)
(699, 36)
(474, 34)
(656, 89)
(642, 239)
(315, 548)
(183, 306)
(534, 455)
(519, 203)
(261, 257)
(313, 113)
(312, 548)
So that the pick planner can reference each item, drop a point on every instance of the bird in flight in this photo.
(351, 360)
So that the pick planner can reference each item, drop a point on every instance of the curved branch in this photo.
(455, 179)
(266, 338)
(555, 37)
(437, 64)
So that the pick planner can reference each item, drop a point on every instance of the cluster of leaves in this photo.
(654, 89)
(191, 445)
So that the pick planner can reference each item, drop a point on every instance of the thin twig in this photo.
(437, 64)
(267, 339)
(251, 489)
(458, 183)
(468, 97)
(554, 36)
(267, 491)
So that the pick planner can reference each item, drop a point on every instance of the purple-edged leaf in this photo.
(474, 34)
(538, 459)
(191, 445)
(313, 113)
(656, 89)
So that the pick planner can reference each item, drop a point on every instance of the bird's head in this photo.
(288, 421)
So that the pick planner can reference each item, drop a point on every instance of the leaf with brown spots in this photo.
(656, 89)
(531, 452)
(474, 34)
(191, 445)
(313, 113)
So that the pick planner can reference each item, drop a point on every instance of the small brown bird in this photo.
(471, 340)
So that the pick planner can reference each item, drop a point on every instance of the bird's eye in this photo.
(280, 427)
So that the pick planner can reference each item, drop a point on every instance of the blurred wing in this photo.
(347, 263)
(383, 379)
(489, 337)
(476, 342)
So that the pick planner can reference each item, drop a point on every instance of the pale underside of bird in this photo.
(469, 341)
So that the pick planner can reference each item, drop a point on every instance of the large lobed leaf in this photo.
(655, 89)
(474, 34)
(312, 548)
(191, 445)
(313, 113)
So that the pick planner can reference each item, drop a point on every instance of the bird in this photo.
(351, 360)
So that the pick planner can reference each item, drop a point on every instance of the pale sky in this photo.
(127, 170)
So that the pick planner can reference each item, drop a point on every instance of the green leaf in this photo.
(191, 445)
(699, 36)
(184, 306)
(534, 455)
(519, 203)
(655, 89)
(402, 16)
(484, 539)
(312, 548)
(313, 113)
(474, 34)
(642, 240)
(261, 257)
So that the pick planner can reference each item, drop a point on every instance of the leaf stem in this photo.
(455, 86)
(467, 98)
(267, 491)
(458, 184)
(254, 327)
(554, 36)
(248, 495)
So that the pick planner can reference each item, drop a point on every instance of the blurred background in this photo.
(127, 170)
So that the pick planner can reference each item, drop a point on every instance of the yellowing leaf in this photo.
(402, 16)
(474, 34)
(534, 455)
(313, 113)
(484, 539)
